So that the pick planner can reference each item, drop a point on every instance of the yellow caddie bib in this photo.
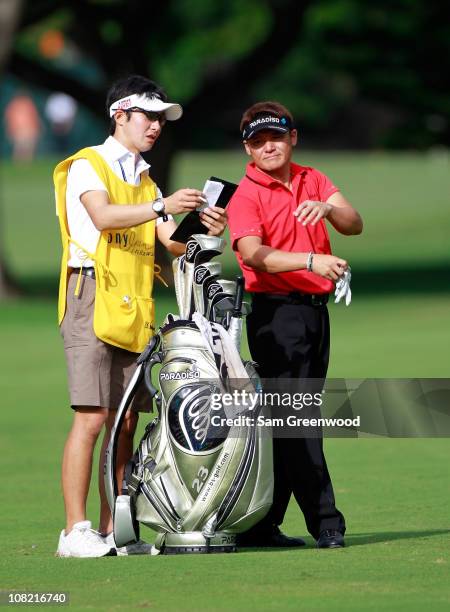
(124, 260)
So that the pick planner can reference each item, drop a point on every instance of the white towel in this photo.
(234, 376)
(222, 347)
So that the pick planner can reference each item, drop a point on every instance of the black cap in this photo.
(267, 121)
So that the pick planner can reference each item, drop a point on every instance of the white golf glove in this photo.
(343, 288)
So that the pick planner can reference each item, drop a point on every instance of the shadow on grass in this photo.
(362, 539)
(366, 281)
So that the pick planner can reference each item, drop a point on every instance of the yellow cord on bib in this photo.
(158, 275)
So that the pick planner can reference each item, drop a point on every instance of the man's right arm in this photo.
(107, 216)
(266, 259)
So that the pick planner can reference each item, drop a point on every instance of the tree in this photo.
(9, 16)
(371, 74)
(208, 55)
(380, 70)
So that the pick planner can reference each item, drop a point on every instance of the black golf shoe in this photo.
(330, 538)
(268, 539)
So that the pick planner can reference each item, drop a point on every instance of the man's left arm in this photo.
(337, 209)
(213, 218)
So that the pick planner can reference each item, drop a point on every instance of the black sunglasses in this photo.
(151, 115)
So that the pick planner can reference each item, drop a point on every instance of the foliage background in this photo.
(368, 85)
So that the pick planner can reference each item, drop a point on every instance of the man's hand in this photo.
(215, 219)
(337, 210)
(183, 201)
(310, 212)
(329, 266)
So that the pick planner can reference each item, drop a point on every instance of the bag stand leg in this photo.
(126, 528)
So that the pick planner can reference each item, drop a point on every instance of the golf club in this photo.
(235, 327)
(202, 273)
(192, 248)
(178, 278)
(218, 290)
(210, 246)
(199, 249)
(222, 310)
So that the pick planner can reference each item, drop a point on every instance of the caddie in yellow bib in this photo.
(124, 260)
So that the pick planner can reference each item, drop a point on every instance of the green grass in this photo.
(393, 492)
(378, 337)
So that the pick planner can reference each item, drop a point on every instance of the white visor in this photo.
(171, 110)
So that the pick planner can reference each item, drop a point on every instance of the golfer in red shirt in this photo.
(277, 225)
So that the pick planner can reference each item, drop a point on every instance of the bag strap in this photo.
(111, 486)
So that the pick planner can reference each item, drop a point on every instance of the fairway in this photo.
(393, 492)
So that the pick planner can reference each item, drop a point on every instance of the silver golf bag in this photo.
(201, 473)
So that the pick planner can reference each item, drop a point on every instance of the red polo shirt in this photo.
(263, 206)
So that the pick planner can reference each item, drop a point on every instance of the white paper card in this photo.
(212, 191)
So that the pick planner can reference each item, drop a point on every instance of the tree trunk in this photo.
(161, 160)
(9, 15)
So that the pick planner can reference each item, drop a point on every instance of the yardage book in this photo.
(218, 192)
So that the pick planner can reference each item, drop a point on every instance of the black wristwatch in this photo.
(159, 208)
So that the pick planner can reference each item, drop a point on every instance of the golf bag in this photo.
(202, 473)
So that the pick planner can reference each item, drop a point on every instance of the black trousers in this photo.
(288, 339)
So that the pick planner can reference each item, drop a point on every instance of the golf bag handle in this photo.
(149, 349)
(156, 358)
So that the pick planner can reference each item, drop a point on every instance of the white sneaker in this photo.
(137, 548)
(83, 541)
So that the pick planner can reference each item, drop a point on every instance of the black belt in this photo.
(85, 271)
(310, 299)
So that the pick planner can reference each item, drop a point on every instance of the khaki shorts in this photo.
(98, 372)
